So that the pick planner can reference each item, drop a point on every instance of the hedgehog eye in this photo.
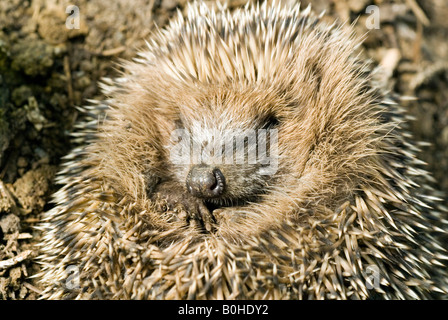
(178, 124)
(270, 122)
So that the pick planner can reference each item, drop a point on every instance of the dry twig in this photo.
(5, 264)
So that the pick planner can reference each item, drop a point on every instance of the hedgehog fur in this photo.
(348, 205)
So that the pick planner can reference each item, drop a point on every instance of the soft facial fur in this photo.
(344, 196)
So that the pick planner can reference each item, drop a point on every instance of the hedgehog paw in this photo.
(227, 215)
(172, 199)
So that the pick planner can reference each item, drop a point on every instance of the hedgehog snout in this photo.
(204, 181)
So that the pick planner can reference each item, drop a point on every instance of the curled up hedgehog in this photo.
(245, 155)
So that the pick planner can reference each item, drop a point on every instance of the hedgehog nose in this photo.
(205, 182)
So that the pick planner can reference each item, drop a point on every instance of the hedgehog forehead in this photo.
(223, 108)
(216, 120)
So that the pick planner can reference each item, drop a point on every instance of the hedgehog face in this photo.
(223, 161)
(259, 139)
(218, 147)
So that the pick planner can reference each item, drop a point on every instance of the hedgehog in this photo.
(245, 155)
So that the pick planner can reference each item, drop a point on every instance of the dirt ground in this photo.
(47, 69)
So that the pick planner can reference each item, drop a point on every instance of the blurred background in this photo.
(52, 55)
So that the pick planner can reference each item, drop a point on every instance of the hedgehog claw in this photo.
(171, 198)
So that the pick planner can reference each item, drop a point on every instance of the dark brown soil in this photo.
(46, 70)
